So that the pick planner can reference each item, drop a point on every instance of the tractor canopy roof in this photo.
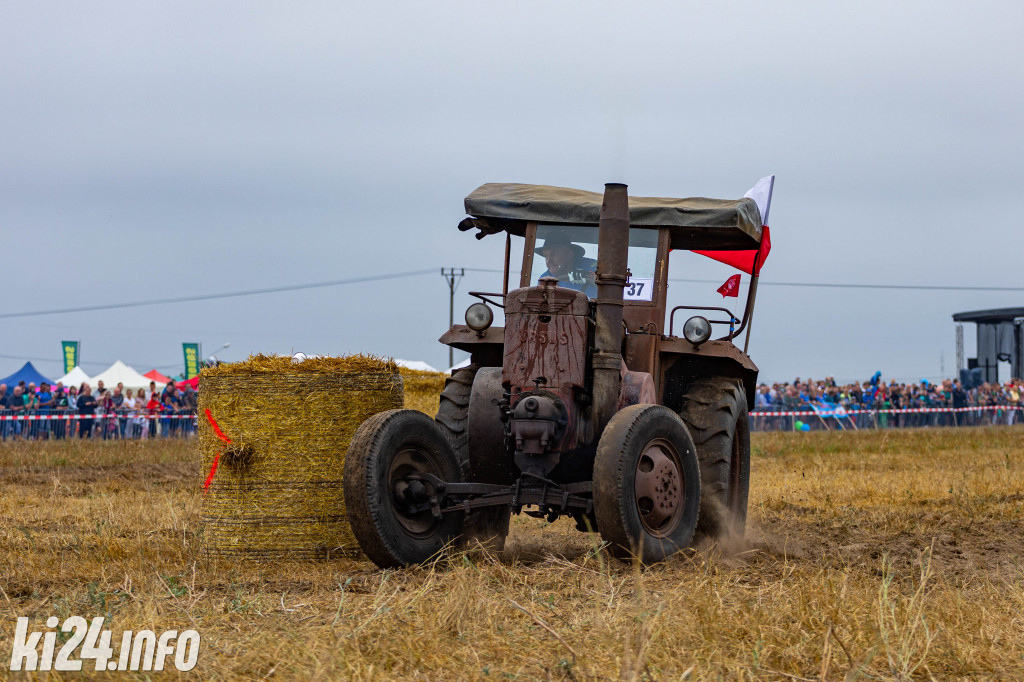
(694, 223)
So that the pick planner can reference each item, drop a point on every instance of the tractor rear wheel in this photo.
(646, 484)
(453, 409)
(388, 506)
(481, 527)
(715, 411)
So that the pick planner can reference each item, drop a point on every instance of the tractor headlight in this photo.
(479, 317)
(697, 330)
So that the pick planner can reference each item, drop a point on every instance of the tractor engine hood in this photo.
(546, 330)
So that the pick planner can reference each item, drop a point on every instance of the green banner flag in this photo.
(191, 359)
(70, 349)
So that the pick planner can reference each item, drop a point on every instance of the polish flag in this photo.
(751, 261)
(731, 287)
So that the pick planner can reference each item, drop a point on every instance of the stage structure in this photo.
(1000, 339)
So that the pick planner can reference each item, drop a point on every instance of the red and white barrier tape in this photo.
(799, 413)
(906, 410)
(62, 417)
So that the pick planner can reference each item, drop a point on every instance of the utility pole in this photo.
(452, 277)
(959, 349)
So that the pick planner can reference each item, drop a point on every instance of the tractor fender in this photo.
(681, 364)
(490, 461)
(485, 347)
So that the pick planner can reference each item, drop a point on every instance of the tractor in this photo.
(586, 403)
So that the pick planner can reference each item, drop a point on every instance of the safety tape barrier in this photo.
(62, 417)
(905, 410)
(798, 413)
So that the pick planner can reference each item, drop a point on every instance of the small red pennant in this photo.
(731, 287)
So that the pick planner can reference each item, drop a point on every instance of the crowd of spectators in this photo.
(102, 413)
(876, 401)
(121, 413)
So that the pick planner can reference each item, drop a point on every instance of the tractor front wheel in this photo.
(393, 511)
(646, 484)
(715, 410)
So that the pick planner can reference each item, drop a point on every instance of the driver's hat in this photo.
(559, 238)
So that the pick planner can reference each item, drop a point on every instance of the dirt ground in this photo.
(873, 555)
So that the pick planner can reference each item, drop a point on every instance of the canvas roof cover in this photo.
(695, 223)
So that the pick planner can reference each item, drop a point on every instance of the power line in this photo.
(209, 297)
(417, 273)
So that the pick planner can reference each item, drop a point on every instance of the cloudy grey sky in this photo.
(152, 150)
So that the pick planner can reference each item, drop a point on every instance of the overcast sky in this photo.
(151, 150)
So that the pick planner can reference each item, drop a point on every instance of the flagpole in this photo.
(750, 318)
(757, 266)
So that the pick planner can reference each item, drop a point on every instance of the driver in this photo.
(565, 262)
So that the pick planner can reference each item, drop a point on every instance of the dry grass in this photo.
(881, 555)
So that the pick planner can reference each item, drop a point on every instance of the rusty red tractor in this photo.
(583, 404)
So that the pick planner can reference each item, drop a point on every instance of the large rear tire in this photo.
(715, 411)
(453, 409)
(646, 484)
(488, 527)
(387, 449)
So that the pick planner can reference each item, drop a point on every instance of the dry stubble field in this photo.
(872, 555)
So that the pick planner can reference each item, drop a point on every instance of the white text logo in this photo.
(142, 648)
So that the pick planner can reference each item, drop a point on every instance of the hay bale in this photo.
(277, 491)
(422, 389)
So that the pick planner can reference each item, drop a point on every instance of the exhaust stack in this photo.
(612, 246)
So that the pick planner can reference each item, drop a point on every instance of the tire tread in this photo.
(486, 527)
(611, 473)
(712, 408)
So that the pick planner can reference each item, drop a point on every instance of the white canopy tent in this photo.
(74, 378)
(418, 365)
(122, 373)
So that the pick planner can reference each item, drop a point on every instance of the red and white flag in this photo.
(751, 261)
(731, 287)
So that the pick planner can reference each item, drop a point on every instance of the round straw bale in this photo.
(422, 389)
(277, 488)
